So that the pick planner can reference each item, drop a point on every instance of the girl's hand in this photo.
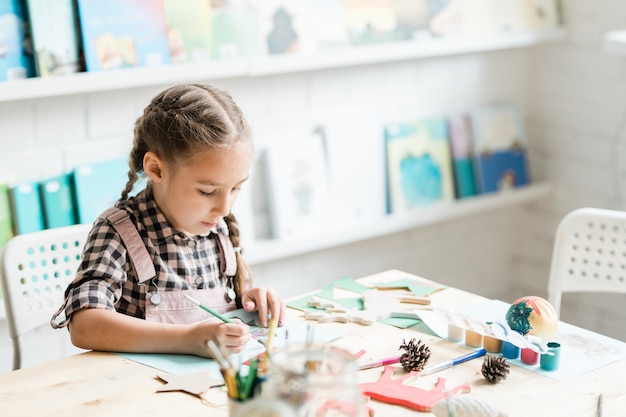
(232, 336)
(267, 302)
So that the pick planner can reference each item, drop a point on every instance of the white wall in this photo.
(576, 110)
(571, 93)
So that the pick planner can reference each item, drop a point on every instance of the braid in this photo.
(243, 276)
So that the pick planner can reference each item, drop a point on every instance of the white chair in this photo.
(35, 269)
(589, 254)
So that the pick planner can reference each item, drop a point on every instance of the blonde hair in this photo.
(181, 122)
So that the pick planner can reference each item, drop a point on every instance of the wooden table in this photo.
(104, 384)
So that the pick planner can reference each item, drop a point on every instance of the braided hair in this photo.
(178, 124)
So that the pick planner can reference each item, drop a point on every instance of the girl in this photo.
(175, 238)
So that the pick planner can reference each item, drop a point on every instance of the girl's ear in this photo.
(153, 166)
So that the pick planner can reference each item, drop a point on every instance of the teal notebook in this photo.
(6, 220)
(97, 187)
(58, 204)
(26, 208)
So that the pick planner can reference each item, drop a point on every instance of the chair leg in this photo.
(17, 359)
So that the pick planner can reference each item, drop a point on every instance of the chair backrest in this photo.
(589, 254)
(35, 269)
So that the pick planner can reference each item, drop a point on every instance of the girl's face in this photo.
(194, 196)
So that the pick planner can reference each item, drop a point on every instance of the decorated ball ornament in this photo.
(534, 316)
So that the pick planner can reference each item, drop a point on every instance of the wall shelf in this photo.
(272, 250)
(93, 82)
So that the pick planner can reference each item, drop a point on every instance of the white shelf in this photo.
(272, 250)
(90, 82)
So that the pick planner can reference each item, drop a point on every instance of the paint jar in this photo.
(456, 333)
(549, 361)
(473, 339)
(315, 381)
(509, 350)
(492, 344)
(529, 356)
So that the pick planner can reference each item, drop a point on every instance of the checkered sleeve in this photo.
(101, 275)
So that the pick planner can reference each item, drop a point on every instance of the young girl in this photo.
(175, 239)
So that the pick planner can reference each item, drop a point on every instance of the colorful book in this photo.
(298, 185)
(285, 27)
(97, 187)
(461, 145)
(16, 57)
(411, 19)
(57, 200)
(235, 29)
(189, 29)
(499, 148)
(26, 208)
(123, 33)
(370, 21)
(6, 217)
(419, 167)
(55, 36)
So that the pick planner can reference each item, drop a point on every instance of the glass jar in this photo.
(316, 381)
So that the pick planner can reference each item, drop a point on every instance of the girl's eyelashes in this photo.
(214, 192)
(207, 194)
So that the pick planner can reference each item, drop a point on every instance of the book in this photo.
(57, 201)
(419, 167)
(285, 27)
(463, 17)
(235, 29)
(546, 14)
(512, 15)
(461, 145)
(499, 148)
(298, 184)
(123, 33)
(16, 55)
(370, 21)
(189, 29)
(97, 187)
(412, 19)
(328, 25)
(6, 217)
(55, 36)
(26, 208)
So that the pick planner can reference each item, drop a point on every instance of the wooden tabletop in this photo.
(103, 384)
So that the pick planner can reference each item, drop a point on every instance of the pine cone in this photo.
(416, 356)
(495, 368)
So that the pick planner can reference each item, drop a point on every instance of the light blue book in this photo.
(26, 207)
(97, 187)
(55, 36)
(57, 200)
(419, 166)
(16, 58)
(123, 34)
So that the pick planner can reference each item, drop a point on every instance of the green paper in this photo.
(401, 323)
(302, 303)
(349, 284)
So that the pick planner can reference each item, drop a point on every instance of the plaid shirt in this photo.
(105, 277)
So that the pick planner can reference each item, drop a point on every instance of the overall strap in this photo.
(140, 259)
